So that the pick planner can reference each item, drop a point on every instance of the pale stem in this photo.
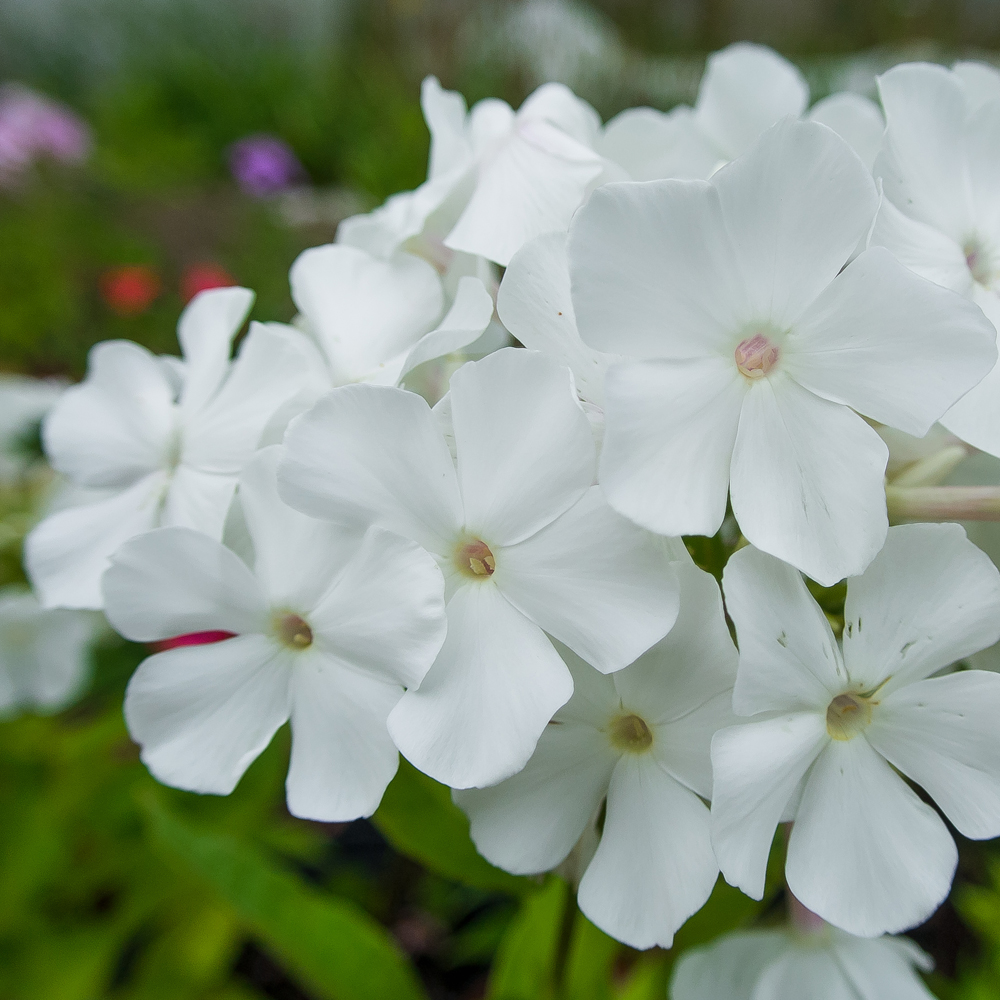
(943, 503)
(801, 917)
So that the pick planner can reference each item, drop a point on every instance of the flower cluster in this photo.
(722, 313)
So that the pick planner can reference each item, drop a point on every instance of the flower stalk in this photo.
(943, 503)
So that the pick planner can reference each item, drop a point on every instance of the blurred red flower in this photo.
(200, 277)
(191, 639)
(130, 289)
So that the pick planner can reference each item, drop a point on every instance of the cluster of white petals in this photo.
(723, 312)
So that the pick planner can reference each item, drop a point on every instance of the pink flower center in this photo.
(475, 558)
(293, 630)
(756, 356)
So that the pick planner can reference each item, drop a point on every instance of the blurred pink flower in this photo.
(264, 164)
(34, 126)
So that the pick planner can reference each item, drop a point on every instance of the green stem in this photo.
(943, 503)
(564, 941)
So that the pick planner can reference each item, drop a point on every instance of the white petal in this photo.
(982, 150)
(174, 581)
(883, 967)
(369, 453)
(269, 370)
(202, 714)
(890, 344)
(531, 185)
(593, 580)
(728, 968)
(668, 442)
(942, 734)
(66, 553)
(651, 145)
(116, 426)
(342, 755)
(922, 248)
(745, 90)
(556, 103)
(857, 120)
(525, 449)
(385, 611)
(757, 768)
(807, 480)
(929, 598)
(865, 853)
(295, 557)
(654, 866)
(534, 303)
(805, 972)
(982, 82)
(921, 163)
(795, 205)
(975, 418)
(197, 500)
(364, 311)
(789, 660)
(206, 330)
(465, 321)
(445, 113)
(513, 824)
(654, 272)
(478, 714)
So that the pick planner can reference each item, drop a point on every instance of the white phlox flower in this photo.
(44, 652)
(755, 345)
(496, 177)
(746, 89)
(375, 320)
(164, 440)
(940, 173)
(24, 402)
(831, 726)
(328, 626)
(637, 739)
(525, 540)
(787, 964)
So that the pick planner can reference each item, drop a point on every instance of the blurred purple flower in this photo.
(34, 126)
(264, 164)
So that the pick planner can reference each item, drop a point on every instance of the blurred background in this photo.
(153, 148)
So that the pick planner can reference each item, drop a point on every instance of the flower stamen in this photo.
(630, 733)
(475, 558)
(756, 356)
(293, 630)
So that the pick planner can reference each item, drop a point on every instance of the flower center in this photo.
(979, 260)
(848, 715)
(630, 733)
(756, 356)
(293, 630)
(474, 558)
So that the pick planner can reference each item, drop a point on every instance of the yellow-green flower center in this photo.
(630, 733)
(293, 630)
(474, 558)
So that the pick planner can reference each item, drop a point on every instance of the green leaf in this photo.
(592, 957)
(419, 819)
(524, 963)
(339, 951)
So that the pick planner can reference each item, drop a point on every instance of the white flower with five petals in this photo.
(638, 740)
(163, 441)
(832, 726)
(756, 344)
(327, 626)
(525, 539)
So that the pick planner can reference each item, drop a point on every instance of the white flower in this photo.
(375, 320)
(790, 965)
(166, 440)
(756, 343)
(745, 90)
(24, 402)
(496, 177)
(44, 654)
(328, 626)
(525, 540)
(831, 725)
(639, 740)
(939, 173)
